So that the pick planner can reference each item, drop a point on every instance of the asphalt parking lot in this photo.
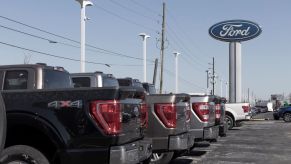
(256, 142)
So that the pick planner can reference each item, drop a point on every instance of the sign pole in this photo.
(234, 72)
(238, 72)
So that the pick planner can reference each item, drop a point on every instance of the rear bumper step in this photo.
(210, 133)
(131, 153)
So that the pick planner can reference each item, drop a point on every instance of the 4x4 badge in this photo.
(65, 104)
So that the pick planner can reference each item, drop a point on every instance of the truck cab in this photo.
(93, 79)
(33, 76)
(150, 88)
(128, 81)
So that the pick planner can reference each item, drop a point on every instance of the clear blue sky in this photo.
(115, 24)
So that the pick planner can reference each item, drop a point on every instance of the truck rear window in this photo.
(81, 82)
(54, 79)
(109, 82)
(15, 80)
(124, 82)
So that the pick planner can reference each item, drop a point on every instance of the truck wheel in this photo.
(22, 154)
(287, 117)
(276, 117)
(229, 122)
(2, 124)
(161, 158)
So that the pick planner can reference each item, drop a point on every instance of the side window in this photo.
(15, 80)
(81, 82)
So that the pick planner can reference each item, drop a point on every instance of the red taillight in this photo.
(217, 111)
(246, 109)
(202, 111)
(144, 115)
(167, 113)
(107, 114)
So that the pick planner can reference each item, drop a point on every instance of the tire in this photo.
(22, 154)
(276, 117)
(161, 158)
(2, 124)
(287, 117)
(229, 122)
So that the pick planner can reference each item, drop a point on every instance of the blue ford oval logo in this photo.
(235, 30)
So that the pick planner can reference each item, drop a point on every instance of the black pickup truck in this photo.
(49, 122)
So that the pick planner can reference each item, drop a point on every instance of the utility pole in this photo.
(155, 71)
(83, 4)
(221, 82)
(144, 39)
(207, 77)
(177, 72)
(162, 47)
(213, 76)
(248, 95)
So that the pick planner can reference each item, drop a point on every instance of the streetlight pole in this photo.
(144, 38)
(83, 4)
(177, 76)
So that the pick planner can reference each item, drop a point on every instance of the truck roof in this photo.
(37, 65)
(198, 94)
(86, 73)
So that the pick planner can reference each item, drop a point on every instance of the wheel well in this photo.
(28, 135)
(230, 114)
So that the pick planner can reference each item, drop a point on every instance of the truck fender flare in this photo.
(39, 124)
(230, 114)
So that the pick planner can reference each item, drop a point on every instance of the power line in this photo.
(142, 6)
(184, 32)
(65, 38)
(185, 81)
(55, 56)
(181, 44)
(131, 10)
(125, 19)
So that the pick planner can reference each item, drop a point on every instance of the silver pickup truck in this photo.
(203, 117)
(169, 125)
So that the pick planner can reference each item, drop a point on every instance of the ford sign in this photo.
(235, 30)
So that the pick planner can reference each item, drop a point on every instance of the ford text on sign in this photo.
(235, 30)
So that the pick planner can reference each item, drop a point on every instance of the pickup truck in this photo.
(48, 121)
(169, 122)
(203, 117)
(236, 113)
(220, 115)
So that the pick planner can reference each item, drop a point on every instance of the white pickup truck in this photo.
(235, 113)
